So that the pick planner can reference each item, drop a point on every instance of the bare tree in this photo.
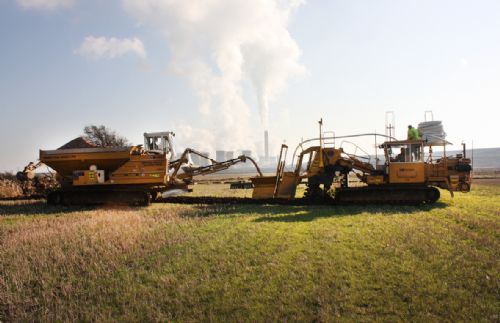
(103, 137)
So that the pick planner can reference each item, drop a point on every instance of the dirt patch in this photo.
(38, 186)
(78, 142)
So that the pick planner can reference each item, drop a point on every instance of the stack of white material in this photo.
(432, 131)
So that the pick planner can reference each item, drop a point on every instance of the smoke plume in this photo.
(218, 44)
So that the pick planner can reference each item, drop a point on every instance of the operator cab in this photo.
(404, 161)
(407, 151)
(159, 142)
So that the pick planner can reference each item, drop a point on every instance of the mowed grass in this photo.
(252, 263)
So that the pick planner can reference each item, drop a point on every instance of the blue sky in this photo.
(360, 59)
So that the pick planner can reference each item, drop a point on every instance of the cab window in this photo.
(409, 153)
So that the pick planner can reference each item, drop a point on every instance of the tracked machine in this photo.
(332, 174)
(412, 177)
(132, 175)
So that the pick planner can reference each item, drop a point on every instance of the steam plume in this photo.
(216, 44)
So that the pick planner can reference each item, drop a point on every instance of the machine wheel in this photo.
(432, 195)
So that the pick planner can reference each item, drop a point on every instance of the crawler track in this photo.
(100, 196)
(367, 195)
(406, 195)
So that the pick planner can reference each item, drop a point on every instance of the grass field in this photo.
(252, 263)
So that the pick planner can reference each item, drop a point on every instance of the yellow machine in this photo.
(107, 166)
(134, 175)
(415, 165)
(408, 177)
(320, 167)
(409, 172)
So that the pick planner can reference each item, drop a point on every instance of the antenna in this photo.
(426, 112)
(390, 124)
(320, 122)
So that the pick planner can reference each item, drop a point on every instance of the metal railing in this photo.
(307, 142)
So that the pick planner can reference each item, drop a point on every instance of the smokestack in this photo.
(266, 145)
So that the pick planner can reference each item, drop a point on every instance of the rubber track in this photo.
(96, 197)
(387, 195)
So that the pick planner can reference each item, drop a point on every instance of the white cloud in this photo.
(45, 4)
(101, 47)
(218, 46)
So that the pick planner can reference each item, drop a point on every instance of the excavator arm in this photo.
(28, 172)
(190, 172)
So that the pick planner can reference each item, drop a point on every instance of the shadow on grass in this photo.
(38, 207)
(303, 213)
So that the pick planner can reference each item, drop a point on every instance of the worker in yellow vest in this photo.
(414, 134)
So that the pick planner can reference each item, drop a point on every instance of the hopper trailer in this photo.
(132, 175)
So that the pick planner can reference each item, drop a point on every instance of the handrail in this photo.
(300, 145)
(355, 150)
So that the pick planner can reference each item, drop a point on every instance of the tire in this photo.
(433, 195)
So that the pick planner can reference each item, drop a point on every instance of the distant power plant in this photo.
(200, 161)
(220, 155)
(266, 159)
